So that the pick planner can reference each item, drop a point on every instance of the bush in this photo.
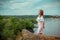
(10, 26)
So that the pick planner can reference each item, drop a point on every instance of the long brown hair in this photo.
(41, 12)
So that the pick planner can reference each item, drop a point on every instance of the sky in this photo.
(29, 7)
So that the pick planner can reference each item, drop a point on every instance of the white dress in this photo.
(40, 22)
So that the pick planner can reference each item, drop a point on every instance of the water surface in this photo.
(52, 27)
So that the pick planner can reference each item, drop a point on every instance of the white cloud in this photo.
(26, 4)
(21, 8)
(19, 5)
(49, 5)
(49, 8)
(28, 7)
(34, 1)
(54, 4)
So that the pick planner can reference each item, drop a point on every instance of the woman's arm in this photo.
(43, 25)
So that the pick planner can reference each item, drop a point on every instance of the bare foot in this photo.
(39, 33)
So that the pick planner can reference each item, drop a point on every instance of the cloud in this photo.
(18, 5)
(34, 1)
(48, 5)
(51, 8)
(26, 4)
(54, 4)
(28, 7)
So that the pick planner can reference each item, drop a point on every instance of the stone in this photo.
(27, 35)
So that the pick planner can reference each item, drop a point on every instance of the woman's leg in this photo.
(40, 28)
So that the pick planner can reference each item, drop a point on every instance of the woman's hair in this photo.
(41, 12)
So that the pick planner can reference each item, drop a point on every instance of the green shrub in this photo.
(10, 26)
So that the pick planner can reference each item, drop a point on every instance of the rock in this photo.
(45, 37)
(27, 35)
(19, 36)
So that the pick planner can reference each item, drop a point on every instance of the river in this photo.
(52, 27)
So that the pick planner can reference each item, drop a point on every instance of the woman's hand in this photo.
(43, 25)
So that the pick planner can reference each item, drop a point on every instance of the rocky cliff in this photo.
(27, 35)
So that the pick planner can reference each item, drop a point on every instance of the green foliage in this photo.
(10, 26)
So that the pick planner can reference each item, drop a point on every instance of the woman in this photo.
(40, 22)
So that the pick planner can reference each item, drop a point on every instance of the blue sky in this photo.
(29, 7)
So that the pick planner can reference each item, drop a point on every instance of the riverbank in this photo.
(30, 16)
